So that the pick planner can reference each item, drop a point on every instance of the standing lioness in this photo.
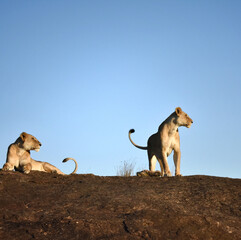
(161, 144)
(18, 156)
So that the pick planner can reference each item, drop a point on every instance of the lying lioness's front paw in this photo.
(26, 170)
(7, 167)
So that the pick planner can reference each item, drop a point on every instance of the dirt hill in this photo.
(50, 206)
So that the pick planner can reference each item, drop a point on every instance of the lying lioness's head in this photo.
(182, 118)
(30, 142)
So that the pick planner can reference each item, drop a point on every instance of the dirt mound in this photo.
(50, 206)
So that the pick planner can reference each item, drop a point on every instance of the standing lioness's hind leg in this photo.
(152, 161)
(162, 159)
(162, 168)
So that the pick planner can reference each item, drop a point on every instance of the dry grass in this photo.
(126, 170)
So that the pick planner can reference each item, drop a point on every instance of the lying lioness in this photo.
(18, 156)
(161, 144)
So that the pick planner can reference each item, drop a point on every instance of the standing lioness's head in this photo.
(30, 142)
(182, 118)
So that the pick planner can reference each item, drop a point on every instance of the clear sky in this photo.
(79, 74)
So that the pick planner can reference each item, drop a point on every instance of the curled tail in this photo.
(76, 164)
(130, 132)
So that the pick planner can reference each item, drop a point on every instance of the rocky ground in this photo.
(51, 206)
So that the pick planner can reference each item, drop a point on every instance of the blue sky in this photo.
(79, 74)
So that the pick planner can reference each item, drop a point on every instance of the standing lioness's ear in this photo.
(178, 111)
(23, 135)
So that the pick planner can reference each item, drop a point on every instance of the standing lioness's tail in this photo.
(130, 132)
(76, 164)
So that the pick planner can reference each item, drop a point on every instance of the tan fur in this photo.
(161, 144)
(18, 156)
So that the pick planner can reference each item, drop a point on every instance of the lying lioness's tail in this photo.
(130, 132)
(76, 164)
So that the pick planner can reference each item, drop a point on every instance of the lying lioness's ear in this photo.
(178, 111)
(23, 135)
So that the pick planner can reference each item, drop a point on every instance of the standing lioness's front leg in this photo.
(177, 160)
